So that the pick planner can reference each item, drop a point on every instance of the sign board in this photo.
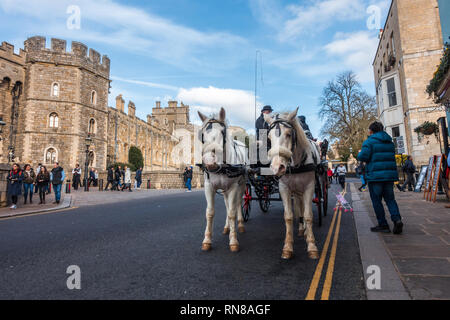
(436, 175)
(421, 179)
(399, 145)
(429, 175)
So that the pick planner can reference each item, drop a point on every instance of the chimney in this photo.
(131, 109)
(149, 119)
(158, 104)
(120, 103)
(173, 104)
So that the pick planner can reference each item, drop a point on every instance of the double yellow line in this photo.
(330, 270)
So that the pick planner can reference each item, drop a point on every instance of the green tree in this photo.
(135, 158)
(347, 111)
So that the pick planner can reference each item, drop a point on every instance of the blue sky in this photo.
(202, 52)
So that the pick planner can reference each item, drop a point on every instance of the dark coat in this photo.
(117, 174)
(29, 178)
(189, 174)
(43, 178)
(378, 152)
(110, 175)
(139, 175)
(261, 124)
(409, 167)
(15, 183)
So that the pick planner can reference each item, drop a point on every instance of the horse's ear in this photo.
(202, 116)
(268, 118)
(293, 114)
(222, 115)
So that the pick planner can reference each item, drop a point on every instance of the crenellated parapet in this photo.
(36, 50)
(11, 64)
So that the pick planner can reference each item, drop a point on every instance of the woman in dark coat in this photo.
(42, 180)
(15, 178)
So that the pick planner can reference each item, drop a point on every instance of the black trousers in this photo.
(410, 181)
(109, 183)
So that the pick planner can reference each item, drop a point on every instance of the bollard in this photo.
(49, 188)
(68, 186)
(148, 184)
(100, 185)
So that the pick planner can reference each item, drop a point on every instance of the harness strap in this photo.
(301, 169)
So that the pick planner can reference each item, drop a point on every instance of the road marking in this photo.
(329, 277)
(318, 273)
(37, 214)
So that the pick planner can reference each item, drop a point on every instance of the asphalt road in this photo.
(151, 249)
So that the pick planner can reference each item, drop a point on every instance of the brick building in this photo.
(409, 50)
(51, 99)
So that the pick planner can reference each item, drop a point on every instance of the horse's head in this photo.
(213, 136)
(283, 138)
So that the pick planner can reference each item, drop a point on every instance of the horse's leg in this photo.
(298, 209)
(288, 249)
(210, 195)
(241, 226)
(313, 252)
(233, 200)
(226, 229)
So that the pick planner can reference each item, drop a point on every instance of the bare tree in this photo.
(348, 111)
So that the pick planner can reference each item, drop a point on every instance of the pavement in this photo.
(421, 255)
(150, 248)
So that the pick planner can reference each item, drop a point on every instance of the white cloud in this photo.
(354, 51)
(112, 23)
(145, 83)
(239, 104)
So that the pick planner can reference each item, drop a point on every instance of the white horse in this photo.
(217, 146)
(293, 158)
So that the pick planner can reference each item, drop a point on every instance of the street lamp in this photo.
(88, 142)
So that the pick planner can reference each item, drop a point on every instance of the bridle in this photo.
(277, 123)
(208, 126)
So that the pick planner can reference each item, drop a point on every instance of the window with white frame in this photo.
(392, 94)
(51, 155)
(55, 89)
(53, 120)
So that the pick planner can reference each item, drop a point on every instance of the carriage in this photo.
(262, 186)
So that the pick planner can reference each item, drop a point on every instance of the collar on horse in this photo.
(231, 171)
(301, 167)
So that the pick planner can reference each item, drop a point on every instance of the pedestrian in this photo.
(341, 172)
(186, 170)
(378, 152)
(117, 176)
(57, 176)
(38, 169)
(95, 178)
(189, 179)
(127, 179)
(335, 175)
(76, 177)
(410, 170)
(138, 178)
(110, 178)
(91, 177)
(330, 175)
(42, 180)
(29, 178)
(361, 171)
(15, 178)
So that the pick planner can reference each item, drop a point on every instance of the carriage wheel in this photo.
(264, 202)
(247, 204)
(325, 195)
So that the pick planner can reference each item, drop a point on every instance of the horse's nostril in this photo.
(282, 168)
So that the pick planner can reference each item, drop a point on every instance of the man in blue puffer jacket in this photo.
(378, 152)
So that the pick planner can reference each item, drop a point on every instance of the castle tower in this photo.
(67, 95)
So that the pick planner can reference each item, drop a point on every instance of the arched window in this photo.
(91, 128)
(51, 156)
(53, 120)
(55, 89)
(91, 158)
(94, 97)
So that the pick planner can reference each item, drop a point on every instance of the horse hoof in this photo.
(234, 248)
(313, 255)
(206, 247)
(287, 255)
(226, 231)
(301, 233)
(241, 230)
